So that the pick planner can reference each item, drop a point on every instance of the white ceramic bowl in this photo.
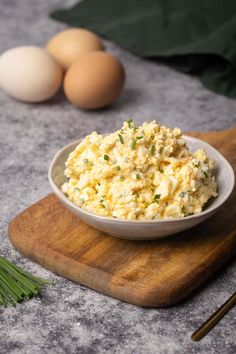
(150, 229)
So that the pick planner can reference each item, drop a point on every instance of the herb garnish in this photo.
(134, 141)
(183, 194)
(17, 285)
(131, 124)
(101, 202)
(157, 197)
(197, 165)
(161, 170)
(138, 176)
(153, 150)
(118, 168)
(130, 121)
(106, 157)
(121, 138)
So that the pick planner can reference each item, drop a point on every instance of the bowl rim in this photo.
(209, 210)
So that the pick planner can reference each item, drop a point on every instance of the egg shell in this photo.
(94, 81)
(29, 74)
(68, 46)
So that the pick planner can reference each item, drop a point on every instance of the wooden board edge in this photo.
(163, 296)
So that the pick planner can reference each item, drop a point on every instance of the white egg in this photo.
(29, 74)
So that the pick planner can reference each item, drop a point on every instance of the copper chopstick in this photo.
(214, 319)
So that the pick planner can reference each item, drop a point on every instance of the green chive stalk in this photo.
(17, 285)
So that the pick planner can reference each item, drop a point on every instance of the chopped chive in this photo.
(156, 197)
(161, 170)
(101, 201)
(130, 121)
(131, 124)
(153, 150)
(122, 178)
(197, 165)
(205, 174)
(183, 194)
(106, 157)
(133, 143)
(121, 138)
(152, 137)
(138, 176)
(118, 168)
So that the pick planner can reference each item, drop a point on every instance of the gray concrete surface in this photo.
(69, 318)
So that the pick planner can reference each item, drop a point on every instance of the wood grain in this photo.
(151, 273)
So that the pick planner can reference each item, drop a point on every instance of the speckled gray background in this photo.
(69, 318)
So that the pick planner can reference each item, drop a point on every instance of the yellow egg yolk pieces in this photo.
(139, 173)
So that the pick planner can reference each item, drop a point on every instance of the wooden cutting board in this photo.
(151, 273)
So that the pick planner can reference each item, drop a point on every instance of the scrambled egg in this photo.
(139, 173)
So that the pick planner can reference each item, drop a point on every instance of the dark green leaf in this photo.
(193, 36)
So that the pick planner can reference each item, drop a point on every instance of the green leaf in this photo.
(192, 36)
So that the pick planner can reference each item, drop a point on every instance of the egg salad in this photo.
(142, 172)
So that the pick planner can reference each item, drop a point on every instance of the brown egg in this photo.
(94, 81)
(67, 46)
